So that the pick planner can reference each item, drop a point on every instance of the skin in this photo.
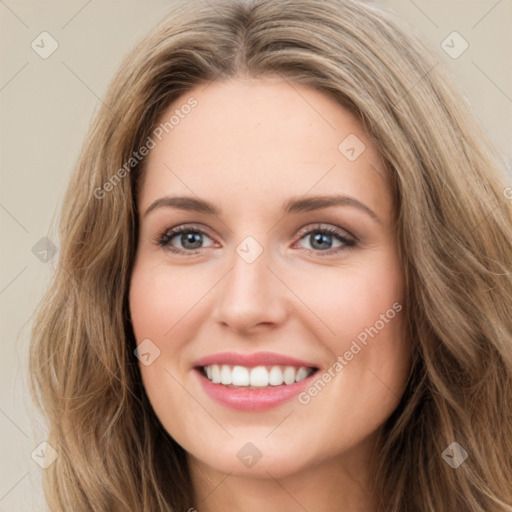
(247, 147)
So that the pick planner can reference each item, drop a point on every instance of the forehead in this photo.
(261, 140)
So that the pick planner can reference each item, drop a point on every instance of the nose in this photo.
(251, 297)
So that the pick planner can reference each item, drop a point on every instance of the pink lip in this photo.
(252, 399)
(251, 360)
(244, 399)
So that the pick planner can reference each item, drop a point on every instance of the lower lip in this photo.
(253, 399)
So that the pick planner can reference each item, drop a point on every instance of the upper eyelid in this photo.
(322, 226)
(308, 227)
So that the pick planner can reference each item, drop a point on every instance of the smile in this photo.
(253, 382)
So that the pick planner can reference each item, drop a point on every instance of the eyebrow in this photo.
(293, 205)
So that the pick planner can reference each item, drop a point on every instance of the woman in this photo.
(258, 369)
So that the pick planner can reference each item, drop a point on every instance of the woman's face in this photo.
(287, 264)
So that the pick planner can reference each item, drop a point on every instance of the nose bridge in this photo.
(251, 294)
(249, 263)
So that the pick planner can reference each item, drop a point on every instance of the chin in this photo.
(254, 459)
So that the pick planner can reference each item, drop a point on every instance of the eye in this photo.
(322, 239)
(189, 238)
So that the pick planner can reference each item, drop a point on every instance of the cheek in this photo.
(351, 299)
(158, 302)
(160, 299)
(156, 306)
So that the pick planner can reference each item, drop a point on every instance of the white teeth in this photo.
(225, 375)
(289, 375)
(302, 373)
(275, 377)
(215, 374)
(259, 376)
(240, 376)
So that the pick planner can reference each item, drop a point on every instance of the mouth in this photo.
(254, 382)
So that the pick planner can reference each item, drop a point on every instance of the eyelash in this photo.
(164, 238)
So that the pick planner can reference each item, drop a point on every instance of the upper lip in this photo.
(251, 360)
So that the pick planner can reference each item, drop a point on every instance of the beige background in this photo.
(45, 107)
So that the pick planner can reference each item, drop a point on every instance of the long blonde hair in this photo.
(455, 232)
